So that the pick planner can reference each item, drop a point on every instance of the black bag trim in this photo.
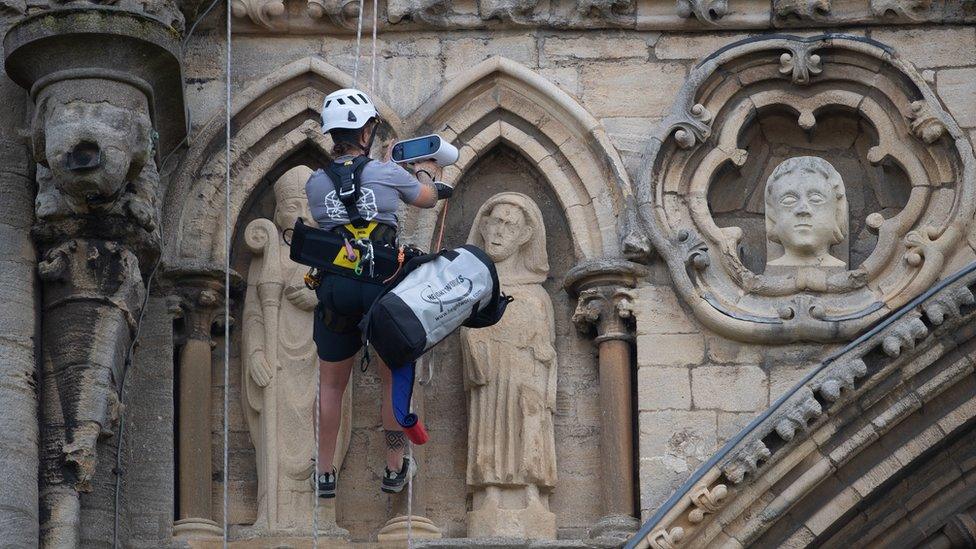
(399, 317)
(345, 177)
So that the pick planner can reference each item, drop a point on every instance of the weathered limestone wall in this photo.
(695, 389)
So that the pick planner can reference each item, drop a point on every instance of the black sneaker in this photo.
(326, 484)
(393, 482)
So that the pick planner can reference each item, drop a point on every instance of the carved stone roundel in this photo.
(780, 88)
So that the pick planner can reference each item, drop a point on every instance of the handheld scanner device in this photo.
(428, 147)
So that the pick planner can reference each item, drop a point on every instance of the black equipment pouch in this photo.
(345, 178)
(327, 250)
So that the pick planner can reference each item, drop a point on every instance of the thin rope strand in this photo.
(372, 64)
(410, 498)
(315, 472)
(359, 35)
(227, 270)
(410, 489)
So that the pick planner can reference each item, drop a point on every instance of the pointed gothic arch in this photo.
(501, 101)
(275, 125)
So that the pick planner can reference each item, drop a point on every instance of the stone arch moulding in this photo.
(806, 77)
(501, 101)
(275, 124)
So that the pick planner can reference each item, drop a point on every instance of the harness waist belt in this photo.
(327, 250)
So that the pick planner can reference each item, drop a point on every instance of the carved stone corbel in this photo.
(605, 311)
(514, 11)
(707, 11)
(801, 9)
(909, 9)
(611, 10)
(260, 12)
(342, 13)
(431, 12)
(102, 119)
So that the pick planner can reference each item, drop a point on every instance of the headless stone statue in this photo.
(279, 370)
(806, 213)
(510, 378)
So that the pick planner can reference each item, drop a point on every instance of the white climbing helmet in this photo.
(348, 108)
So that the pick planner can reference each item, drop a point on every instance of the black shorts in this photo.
(342, 304)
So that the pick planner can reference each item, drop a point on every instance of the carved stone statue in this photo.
(510, 379)
(806, 212)
(279, 370)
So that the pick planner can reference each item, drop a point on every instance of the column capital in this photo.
(198, 293)
(604, 289)
(611, 272)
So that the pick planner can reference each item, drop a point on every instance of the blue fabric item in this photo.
(403, 376)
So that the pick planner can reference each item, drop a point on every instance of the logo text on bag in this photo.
(448, 294)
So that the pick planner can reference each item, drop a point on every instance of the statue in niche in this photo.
(280, 371)
(806, 213)
(510, 379)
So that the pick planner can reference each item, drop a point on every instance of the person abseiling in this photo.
(364, 210)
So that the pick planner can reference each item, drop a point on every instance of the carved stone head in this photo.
(290, 200)
(806, 212)
(92, 147)
(509, 227)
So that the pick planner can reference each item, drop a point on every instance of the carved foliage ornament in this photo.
(807, 79)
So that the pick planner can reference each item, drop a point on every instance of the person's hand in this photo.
(430, 167)
(260, 369)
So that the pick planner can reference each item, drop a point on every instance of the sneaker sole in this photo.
(396, 490)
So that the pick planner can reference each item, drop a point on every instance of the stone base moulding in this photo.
(534, 521)
(197, 528)
(395, 532)
(612, 531)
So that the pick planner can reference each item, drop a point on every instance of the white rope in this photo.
(229, 17)
(359, 35)
(410, 497)
(372, 64)
(315, 471)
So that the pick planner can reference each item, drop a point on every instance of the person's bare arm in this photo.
(427, 173)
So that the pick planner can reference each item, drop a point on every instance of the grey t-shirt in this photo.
(384, 185)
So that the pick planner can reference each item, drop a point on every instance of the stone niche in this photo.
(441, 493)
(907, 172)
(576, 417)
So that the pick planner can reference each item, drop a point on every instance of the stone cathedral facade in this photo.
(744, 273)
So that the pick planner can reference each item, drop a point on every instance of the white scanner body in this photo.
(428, 147)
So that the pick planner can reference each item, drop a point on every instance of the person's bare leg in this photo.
(334, 376)
(396, 441)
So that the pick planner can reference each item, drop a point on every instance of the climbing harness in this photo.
(370, 254)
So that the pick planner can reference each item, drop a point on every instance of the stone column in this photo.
(604, 311)
(201, 299)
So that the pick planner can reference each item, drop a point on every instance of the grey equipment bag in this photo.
(434, 295)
